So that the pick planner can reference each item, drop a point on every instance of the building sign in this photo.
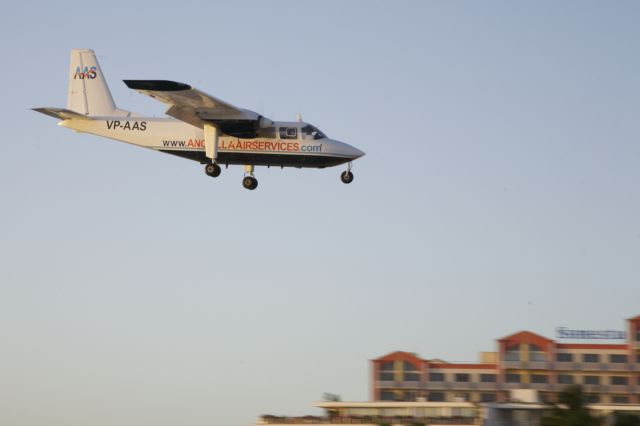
(566, 333)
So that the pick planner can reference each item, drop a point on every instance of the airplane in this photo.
(200, 127)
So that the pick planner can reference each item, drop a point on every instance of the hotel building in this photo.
(608, 373)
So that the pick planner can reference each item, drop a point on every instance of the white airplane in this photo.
(203, 128)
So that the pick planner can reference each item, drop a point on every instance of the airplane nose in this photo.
(352, 151)
(346, 150)
(357, 153)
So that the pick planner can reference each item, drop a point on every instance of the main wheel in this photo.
(250, 182)
(346, 177)
(212, 169)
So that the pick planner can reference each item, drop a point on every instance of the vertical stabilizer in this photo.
(88, 90)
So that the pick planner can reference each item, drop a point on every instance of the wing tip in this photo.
(156, 85)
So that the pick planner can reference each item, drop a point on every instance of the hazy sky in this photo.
(500, 192)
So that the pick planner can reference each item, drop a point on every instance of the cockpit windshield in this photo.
(312, 132)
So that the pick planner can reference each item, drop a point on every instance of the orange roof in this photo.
(636, 318)
(526, 337)
(591, 346)
(400, 356)
(464, 366)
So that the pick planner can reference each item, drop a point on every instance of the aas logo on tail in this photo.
(87, 72)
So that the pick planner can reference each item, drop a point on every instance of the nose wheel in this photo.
(347, 176)
(212, 169)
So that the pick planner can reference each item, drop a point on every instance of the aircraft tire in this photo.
(346, 177)
(250, 183)
(212, 169)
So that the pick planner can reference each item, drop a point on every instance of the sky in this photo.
(499, 193)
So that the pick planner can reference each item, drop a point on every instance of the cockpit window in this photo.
(312, 132)
(288, 133)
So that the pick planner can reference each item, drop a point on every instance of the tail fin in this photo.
(88, 90)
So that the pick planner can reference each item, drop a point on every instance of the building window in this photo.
(620, 399)
(411, 377)
(638, 335)
(565, 379)
(436, 377)
(618, 358)
(462, 377)
(387, 366)
(436, 396)
(638, 380)
(387, 396)
(488, 397)
(536, 353)
(638, 358)
(386, 376)
(409, 367)
(539, 378)
(591, 380)
(513, 353)
(592, 399)
(513, 378)
(386, 371)
(590, 358)
(410, 372)
(619, 380)
(488, 378)
(564, 357)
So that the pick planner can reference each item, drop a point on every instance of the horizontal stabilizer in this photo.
(61, 113)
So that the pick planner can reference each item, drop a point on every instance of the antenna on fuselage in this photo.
(299, 117)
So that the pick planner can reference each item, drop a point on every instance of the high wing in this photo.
(198, 108)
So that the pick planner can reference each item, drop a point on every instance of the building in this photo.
(608, 373)
(526, 412)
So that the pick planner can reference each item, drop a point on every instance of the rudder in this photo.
(88, 91)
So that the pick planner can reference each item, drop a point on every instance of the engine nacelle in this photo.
(264, 122)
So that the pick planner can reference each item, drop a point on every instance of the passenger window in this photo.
(288, 133)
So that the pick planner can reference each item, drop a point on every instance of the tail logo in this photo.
(87, 72)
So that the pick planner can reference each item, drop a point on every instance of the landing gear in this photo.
(347, 176)
(212, 169)
(249, 181)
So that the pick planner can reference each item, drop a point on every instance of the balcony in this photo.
(619, 389)
(462, 386)
(567, 366)
(527, 365)
(487, 386)
(392, 384)
(386, 384)
(593, 366)
(438, 385)
(539, 386)
(514, 386)
(595, 388)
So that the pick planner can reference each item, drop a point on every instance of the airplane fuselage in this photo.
(272, 146)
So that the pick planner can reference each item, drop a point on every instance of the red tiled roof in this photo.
(400, 356)
(526, 337)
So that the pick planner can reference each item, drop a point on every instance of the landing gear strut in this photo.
(212, 169)
(347, 176)
(249, 182)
